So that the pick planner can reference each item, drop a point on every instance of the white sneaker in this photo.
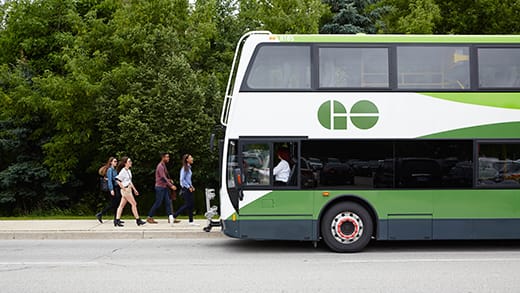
(170, 219)
(193, 224)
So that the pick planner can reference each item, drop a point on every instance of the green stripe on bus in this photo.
(509, 130)
(499, 100)
(434, 39)
(408, 204)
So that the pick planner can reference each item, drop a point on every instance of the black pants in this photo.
(114, 201)
(189, 203)
(280, 183)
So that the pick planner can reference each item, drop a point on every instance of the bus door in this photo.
(272, 200)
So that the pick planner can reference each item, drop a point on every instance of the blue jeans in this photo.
(189, 203)
(161, 195)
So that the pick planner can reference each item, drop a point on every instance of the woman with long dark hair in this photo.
(125, 182)
(187, 188)
(113, 189)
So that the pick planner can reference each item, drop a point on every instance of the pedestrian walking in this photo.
(187, 189)
(114, 191)
(163, 185)
(127, 192)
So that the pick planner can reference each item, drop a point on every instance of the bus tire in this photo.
(346, 227)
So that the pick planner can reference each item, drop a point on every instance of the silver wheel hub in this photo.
(346, 227)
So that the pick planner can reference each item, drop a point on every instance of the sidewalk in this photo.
(92, 229)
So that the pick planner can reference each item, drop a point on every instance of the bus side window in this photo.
(433, 67)
(256, 164)
(499, 165)
(281, 67)
(353, 67)
(499, 67)
(232, 163)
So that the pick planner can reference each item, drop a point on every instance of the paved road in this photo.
(228, 265)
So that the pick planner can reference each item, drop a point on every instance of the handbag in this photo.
(173, 194)
(103, 185)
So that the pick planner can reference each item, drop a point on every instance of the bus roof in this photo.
(380, 38)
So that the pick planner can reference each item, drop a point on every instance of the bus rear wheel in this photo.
(346, 227)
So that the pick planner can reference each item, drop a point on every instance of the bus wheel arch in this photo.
(347, 224)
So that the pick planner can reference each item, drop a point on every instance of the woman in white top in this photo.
(282, 171)
(124, 179)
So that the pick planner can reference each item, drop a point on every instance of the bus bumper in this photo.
(231, 228)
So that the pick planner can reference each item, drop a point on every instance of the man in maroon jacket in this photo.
(162, 194)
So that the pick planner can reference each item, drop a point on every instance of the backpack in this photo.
(103, 181)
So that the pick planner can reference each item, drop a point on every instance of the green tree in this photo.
(32, 39)
(410, 17)
(160, 97)
(351, 16)
(43, 35)
(423, 16)
(22, 181)
(479, 17)
(451, 17)
(282, 16)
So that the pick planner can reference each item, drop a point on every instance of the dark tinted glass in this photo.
(499, 165)
(344, 164)
(372, 164)
(429, 164)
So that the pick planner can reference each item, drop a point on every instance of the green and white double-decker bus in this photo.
(390, 137)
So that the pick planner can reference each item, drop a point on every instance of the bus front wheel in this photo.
(346, 227)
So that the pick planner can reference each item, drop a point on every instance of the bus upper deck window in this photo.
(280, 67)
(433, 67)
(353, 67)
(499, 67)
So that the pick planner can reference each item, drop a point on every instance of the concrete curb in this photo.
(55, 235)
(88, 229)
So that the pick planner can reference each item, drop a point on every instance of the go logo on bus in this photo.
(333, 115)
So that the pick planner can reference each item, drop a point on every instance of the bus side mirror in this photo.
(212, 142)
(238, 178)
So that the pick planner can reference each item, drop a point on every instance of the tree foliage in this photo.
(410, 17)
(352, 16)
(282, 16)
(479, 17)
(450, 17)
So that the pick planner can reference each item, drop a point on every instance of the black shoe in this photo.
(122, 222)
(117, 223)
(139, 222)
(99, 217)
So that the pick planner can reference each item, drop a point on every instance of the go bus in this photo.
(387, 137)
